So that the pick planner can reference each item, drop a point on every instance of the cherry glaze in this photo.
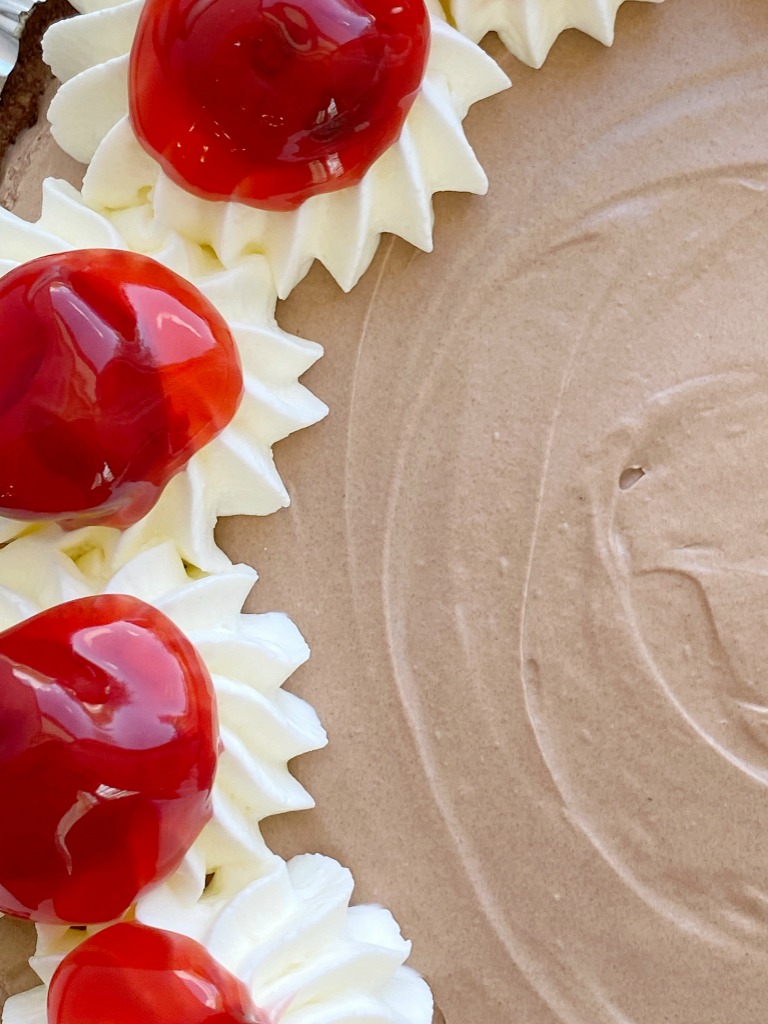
(269, 102)
(133, 974)
(108, 745)
(115, 372)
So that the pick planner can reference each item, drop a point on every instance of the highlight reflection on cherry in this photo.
(108, 747)
(115, 372)
(270, 102)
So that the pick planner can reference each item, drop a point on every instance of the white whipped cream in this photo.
(234, 474)
(249, 657)
(528, 28)
(289, 933)
(89, 54)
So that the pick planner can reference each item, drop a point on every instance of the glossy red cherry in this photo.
(108, 744)
(270, 102)
(115, 372)
(132, 974)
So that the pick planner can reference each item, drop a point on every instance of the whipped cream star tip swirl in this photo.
(249, 657)
(234, 473)
(289, 933)
(341, 229)
(529, 28)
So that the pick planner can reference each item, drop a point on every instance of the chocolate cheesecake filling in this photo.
(529, 546)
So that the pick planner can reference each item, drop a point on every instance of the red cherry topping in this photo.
(270, 102)
(108, 742)
(132, 974)
(115, 372)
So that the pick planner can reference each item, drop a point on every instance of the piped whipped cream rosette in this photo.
(248, 656)
(234, 473)
(341, 228)
(305, 955)
(528, 28)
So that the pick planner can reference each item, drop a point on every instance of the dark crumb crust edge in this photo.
(20, 98)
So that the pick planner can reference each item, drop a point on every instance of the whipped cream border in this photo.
(529, 28)
(89, 54)
(235, 473)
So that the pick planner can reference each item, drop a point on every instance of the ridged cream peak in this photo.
(528, 28)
